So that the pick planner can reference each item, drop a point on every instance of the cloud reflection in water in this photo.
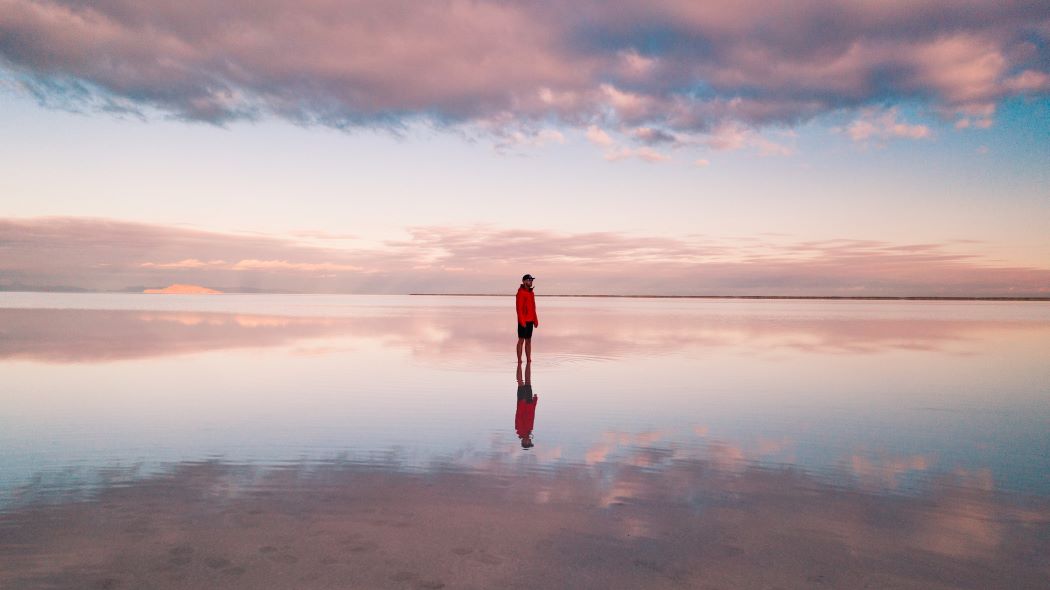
(730, 444)
(676, 523)
(447, 335)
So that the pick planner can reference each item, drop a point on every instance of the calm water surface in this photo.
(264, 441)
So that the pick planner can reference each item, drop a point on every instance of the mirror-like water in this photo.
(321, 441)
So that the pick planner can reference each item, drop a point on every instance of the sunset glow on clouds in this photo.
(65, 252)
(671, 65)
(671, 147)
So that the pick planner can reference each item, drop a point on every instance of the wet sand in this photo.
(642, 523)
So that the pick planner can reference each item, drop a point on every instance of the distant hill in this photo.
(183, 290)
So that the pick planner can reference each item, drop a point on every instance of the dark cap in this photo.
(527, 277)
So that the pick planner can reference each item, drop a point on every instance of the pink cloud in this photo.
(732, 136)
(668, 64)
(645, 153)
(883, 125)
(614, 151)
(273, 265)
(112, 255)
(1029, 81)
(598, 136)
(187, 263)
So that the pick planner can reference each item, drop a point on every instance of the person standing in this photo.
(527, 319)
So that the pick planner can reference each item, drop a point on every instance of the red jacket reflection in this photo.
(525, 416)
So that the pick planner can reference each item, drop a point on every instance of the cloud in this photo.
(645, 153)
(599, 137)
(187, 263)
(274, 265)
(653, 136)
(99, 254)
(882, 125)
(1029, 81)
(322, 235)
(731, 136)
(671, 65)
(507, 139)
(614, 151)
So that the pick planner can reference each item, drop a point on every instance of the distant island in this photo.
(183, 290)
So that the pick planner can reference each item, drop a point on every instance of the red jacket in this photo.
(526, 304)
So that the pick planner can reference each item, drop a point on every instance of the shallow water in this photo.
(354, 441)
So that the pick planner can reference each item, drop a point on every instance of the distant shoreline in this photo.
(775, 297)
(767, 297)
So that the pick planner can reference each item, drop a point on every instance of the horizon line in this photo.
(847, 297)
(75, 291)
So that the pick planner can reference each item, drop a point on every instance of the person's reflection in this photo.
(526, 412)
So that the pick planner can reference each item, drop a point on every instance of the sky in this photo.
(663, 147)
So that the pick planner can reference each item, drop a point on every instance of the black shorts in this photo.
(525, 332)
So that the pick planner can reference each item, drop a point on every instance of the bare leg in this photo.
(520, 342)
(528, 351)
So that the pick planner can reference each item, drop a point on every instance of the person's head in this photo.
(527, 280)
